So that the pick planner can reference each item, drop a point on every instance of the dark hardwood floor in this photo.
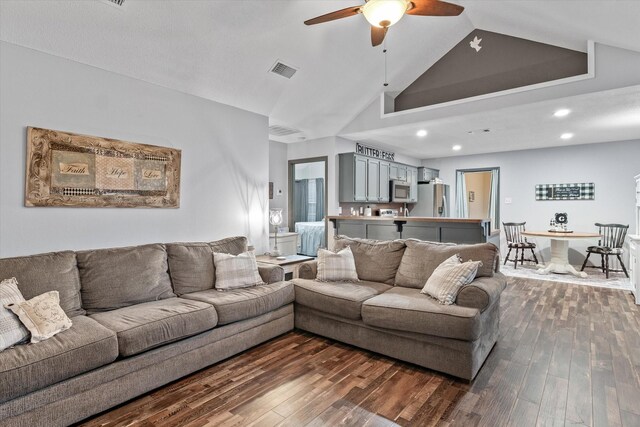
(567, 355)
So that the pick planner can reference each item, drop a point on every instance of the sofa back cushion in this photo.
(191, 267)
(37, 274)
(376, 260)
(422, 258)
(231, 245)
(120, 277)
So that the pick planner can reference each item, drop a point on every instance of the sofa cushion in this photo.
(144, 326)
(236, 271)
(245, 303)
(376, 261)
(191, 267)
(341, 298)
(336, 266)
(42, 316)
(85, 346)
(37, 274)
(406, 309)
(422, 258)
(120, 277)
(231, 245)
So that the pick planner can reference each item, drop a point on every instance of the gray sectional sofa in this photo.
(386, 313)
(147, 315)
(142, 316)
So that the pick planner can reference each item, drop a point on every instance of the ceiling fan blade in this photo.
(434, 8)
(338, 14)
(377, 35)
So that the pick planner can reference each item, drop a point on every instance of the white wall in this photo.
(224, 172)
(278, 175)
(311, 170)
(611, 166)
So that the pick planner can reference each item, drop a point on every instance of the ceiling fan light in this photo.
(384, 13)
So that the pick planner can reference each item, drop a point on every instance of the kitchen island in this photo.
(453, 230)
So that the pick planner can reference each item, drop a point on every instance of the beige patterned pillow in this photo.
(42, 315)
(236, 271)
(336, 267)
(12, 331)
(449, 277)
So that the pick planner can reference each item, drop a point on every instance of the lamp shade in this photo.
(384, 13)
(275, 216)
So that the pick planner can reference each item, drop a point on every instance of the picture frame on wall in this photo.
(66, 169)
(570, 191)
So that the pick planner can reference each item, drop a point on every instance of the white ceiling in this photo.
(222, 50)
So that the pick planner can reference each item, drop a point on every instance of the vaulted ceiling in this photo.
(223, 50)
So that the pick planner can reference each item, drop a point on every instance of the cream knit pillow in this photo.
(336, 267)
(449, 277)
(42, 315)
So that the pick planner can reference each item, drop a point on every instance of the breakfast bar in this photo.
(435, 229)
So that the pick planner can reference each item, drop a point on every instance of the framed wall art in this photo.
(68, 169)
(574, 191)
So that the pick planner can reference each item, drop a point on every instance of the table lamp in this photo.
(275, 218)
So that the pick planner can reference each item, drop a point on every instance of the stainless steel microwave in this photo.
(400, 191)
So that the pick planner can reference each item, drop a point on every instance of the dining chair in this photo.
(610, 243)
(515, 240)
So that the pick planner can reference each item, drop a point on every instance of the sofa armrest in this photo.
(308, 270)
(482, 292)
(270, 273)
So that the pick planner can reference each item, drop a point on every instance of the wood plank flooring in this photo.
(567, 355)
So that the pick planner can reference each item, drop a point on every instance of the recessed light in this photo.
(563, 112)
(456, 147)
(567, 135)
(421, 133)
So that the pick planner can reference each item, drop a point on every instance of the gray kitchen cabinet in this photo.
(353, 178)
(373, 180)
(360, 179)
(384, 182)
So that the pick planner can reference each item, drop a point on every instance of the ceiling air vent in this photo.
(115, 3)
(277, 130)
(283, 70)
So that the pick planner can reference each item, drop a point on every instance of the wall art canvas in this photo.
(68, 169)
(573, 191)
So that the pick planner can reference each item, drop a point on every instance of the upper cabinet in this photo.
(365, 179)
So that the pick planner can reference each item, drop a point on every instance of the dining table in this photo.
(559, 262)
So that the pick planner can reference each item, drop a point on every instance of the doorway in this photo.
(308, 203)
(478, 194)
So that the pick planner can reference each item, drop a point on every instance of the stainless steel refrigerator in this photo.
(433, 201)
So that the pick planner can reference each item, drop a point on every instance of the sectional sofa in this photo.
(147, 315)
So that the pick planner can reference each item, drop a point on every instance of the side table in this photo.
(290, 264)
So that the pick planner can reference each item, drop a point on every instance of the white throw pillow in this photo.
(449, 277)
(336, 267)
(236, 271)
(42, 315)
(12, 331)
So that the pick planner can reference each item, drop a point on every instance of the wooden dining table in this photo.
(559, 262)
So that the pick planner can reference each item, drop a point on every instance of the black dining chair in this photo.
(610, 243)
(515, 240)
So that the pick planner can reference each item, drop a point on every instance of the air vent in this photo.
(478, 131)
(283, 70)
(115, 3)
(277, 130)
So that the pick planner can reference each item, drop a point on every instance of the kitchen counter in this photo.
(409, 219)
(453, 230)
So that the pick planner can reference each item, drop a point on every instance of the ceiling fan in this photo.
(382, 14)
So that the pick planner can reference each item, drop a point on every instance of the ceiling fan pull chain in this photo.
(384, 51)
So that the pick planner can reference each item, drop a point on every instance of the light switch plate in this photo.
(507, 200)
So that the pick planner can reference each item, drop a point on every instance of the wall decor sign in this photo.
(574, 191)
(68, 169)
(374, 152)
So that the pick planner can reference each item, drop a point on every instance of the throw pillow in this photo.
(336, 267)
(42, 315)
(449, 277)
(236, 271)
(12, 331)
